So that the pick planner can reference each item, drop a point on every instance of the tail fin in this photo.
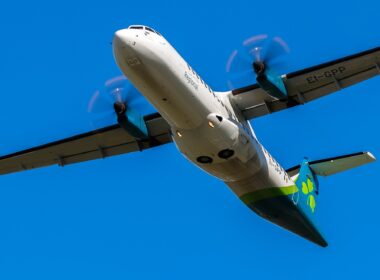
(305, 178)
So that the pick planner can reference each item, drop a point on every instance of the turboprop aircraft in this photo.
(212, 129)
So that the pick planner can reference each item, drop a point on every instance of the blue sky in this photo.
(153, 215)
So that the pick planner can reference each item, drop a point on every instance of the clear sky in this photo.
(153, 215)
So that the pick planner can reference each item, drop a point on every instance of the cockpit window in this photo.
(144, 27)
(152, 30)
(136, 27)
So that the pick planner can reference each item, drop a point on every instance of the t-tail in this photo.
(305, 176)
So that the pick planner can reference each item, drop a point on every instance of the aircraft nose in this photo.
(123, 45)
(122, 38)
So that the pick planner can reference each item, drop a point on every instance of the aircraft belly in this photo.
(233, 169)
(211, 139)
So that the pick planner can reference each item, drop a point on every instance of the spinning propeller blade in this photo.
(116, 100)
(253, 58)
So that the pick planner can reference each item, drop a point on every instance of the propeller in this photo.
(118, 101)
(254, 58)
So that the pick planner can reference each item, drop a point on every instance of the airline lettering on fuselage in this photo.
(326, 74)
(191, 81)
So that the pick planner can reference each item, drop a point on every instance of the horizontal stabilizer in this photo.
(330, 166)
(335, 165)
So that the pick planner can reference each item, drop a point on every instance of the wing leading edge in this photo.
(309, 84)
(101, 143)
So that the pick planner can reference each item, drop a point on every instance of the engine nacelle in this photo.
(132, 122)
(272, 84)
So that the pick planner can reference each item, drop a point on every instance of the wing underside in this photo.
(101, 143)
(309, 84)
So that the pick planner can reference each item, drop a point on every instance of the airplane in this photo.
(212, 129)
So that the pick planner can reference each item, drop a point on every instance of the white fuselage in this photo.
(206, 127)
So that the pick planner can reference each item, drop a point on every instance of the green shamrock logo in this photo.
(307, 189)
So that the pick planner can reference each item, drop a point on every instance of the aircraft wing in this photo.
(101, 143)
(306, 85)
